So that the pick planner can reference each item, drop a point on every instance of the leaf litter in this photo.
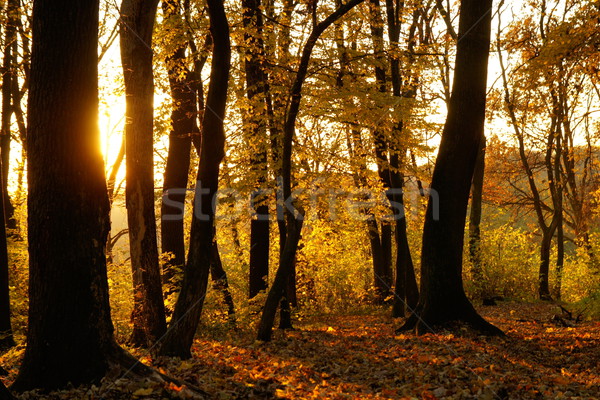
(361, 357)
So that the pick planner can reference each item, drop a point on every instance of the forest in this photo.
(290, 199)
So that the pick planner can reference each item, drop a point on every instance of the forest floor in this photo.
(361, 357)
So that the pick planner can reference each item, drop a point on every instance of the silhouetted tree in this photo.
(442, 298)
(137, 22)
(188, 308)
(70, 332)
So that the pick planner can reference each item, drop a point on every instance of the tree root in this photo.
(426, 321)
(124, 365)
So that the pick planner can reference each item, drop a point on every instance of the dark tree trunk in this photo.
(285, 311)
(475, 221)
(293, 223)
(219, 278)
(381, 241)
(9, 78)
(149, 323)
(188, 308)
(183, 126)
(259, 251)
(70, 333)
(381, 245)
(256, 130)
(388, 151)
(5, 393)
(406, 291)
(443, 299)
(560, 256)
(544, 271)
(277, 292)
(6, 337)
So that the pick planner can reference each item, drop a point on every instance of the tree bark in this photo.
(149, 323)
(256, 131)
(188, 308)
(183, 126)
(381, 241)
(6, 336)
(475, 221)
(389, 152)
(70, 333)
(443, 299)
(219, 278)
(406, 290)
(560, 257)
(9, 77)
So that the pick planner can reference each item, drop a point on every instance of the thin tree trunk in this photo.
(406, 290)
(183, 126)
(6, 336)
(256, 131)
(149, 323)
(544, 271)
(6, 213)
(382, 263)
(188, 308)
(8, 77)
(546, 229)
(442, 298)
(219, 278)
(114, 170)
(475, 221)
(560, 257)
(293, 223)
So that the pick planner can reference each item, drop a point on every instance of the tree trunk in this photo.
(443, 299)
(149, 323)
(7, 211)
(9, 77)
(5, 393)
(544, 271)
(219, 278)
(293, 222)
(256, 131)
(406, 290)
(188, 308)
(70, 333)
(560, 256)
(475, 221)
(380, 243)
(183, 126)
(6, 336)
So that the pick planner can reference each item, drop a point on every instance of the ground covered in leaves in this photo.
(361, 357)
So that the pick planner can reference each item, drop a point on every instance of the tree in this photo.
(406, 292)
(70, 333)
(546, 96)
(475, 219)
(256, 127)
(188, 308)
(6, 337)
(293, 218)
(149, 323)
(442, 298)
(183, 127)
(9, 81)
